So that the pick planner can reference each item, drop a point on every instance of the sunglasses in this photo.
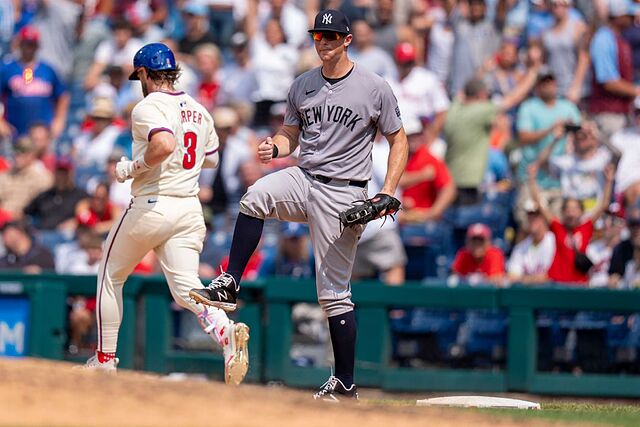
(329, 35)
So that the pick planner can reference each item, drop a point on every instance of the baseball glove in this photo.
(364, 211)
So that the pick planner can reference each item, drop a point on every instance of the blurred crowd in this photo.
(523, 119)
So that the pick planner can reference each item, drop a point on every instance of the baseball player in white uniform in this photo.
(173, 138)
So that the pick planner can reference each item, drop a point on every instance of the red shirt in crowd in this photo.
(423, 194)
(562, 269)
(90, 217)
(491, 265)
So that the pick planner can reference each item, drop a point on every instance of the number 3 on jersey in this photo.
(190, 141)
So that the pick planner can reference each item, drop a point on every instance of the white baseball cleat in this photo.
(234, 341)
(93, 364)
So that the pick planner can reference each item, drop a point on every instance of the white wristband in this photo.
(139, 166)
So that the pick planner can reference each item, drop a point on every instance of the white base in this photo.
(478, 402)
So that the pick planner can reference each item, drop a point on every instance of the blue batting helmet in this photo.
(153, 56)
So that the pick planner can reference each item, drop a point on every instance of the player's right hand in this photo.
(265, 150)
(123, 169)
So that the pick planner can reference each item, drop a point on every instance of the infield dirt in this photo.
(39, 392)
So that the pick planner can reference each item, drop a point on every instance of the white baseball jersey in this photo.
(195, 135)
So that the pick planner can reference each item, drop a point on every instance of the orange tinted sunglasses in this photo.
(329, 35)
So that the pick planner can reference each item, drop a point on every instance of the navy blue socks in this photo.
(246, 237)
(343, 339)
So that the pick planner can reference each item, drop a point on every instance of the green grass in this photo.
(605, 414)
(608, 414)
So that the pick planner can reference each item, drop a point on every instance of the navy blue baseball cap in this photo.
(331, 20)
(153, 56)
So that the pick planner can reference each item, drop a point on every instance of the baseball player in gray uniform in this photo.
(333, 114)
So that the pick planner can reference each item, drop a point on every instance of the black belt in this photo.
(326, 180)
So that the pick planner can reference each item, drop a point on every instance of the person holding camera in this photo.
(572, 231)
(581, 172)
(541, 119)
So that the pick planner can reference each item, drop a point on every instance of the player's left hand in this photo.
(123, 169)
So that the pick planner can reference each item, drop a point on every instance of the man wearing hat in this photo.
(27, 178)
(92, 147)
(32, 90)
(612, 87)
(422, 99)
(479, 262)
(334, 112)
(541, 119)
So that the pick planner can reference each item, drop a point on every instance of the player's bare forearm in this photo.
(286, 140)
(398, 155)
(161, 145)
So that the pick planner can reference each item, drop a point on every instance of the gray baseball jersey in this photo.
(338, 122)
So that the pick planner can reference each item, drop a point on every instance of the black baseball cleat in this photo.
(335, 391)
(221, 293)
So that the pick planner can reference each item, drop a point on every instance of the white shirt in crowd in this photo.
(628, 172)
(274, 68)
(631, 279)
(581, 179)
(70, 258)
(528, 258)
(108, 53)
(379, 156)
(293, 20)
(377, 61)
(600, 254)
(92, 150)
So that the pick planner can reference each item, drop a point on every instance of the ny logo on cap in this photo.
(326, 18)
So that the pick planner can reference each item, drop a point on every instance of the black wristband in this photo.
(275, 152)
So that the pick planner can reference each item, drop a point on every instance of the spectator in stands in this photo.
(565, 45)
(427, 187)
(479, 262)
(118, 49)
(476, 39)
(624, 266)
(115, 87)
(55, 209)
(159, 9)
(467, 130)
(23, 252)
(92, 148)
(57, 25)
(380, 253)
(197, 31)
(628, 173)
(612, 89)
(141, 17)
(503, 71)
(422, 99)
(430, 22)
(572, 232)
(608, 230)
(82, 255)
(273, 63)
(367, 54)
(581, 172)
(293, 20)
(294, 259)
(541, 119)
(381, 18)
(97, 212)
(207, 62)
(40, 135)
(531, 258)
(32, 90)
(238, 75)
(222, 187)
(26, 179)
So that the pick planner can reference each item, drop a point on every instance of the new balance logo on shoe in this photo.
(222, 295)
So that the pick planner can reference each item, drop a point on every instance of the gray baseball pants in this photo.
(291, 195)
